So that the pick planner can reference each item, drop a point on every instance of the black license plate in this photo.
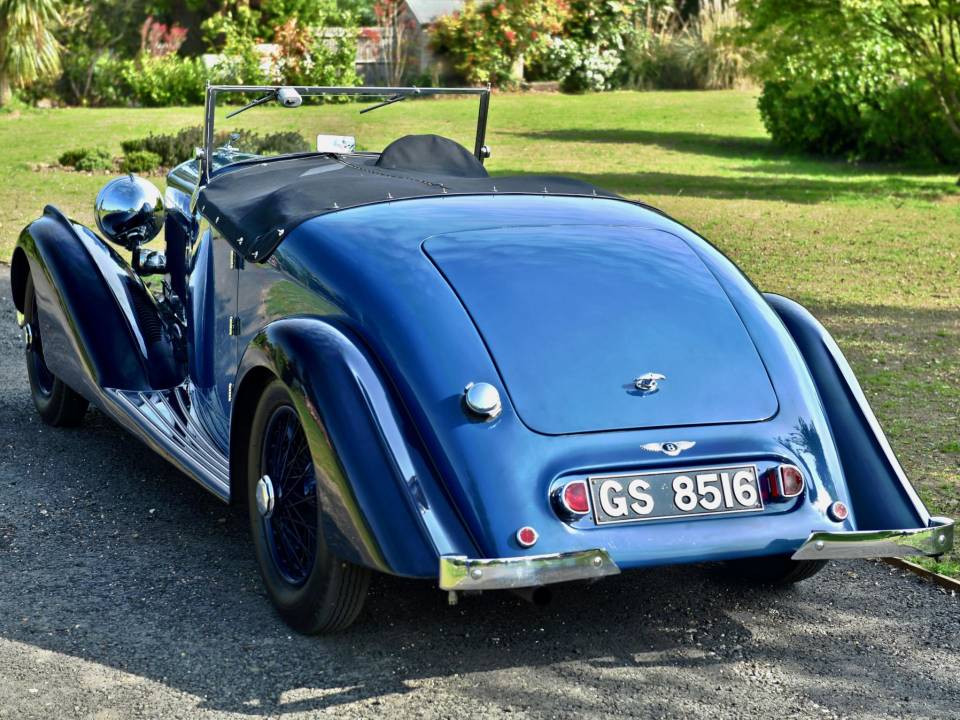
(677, 493)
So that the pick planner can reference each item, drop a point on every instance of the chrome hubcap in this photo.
(266, 500)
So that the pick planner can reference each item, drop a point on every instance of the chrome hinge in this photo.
(229, 392)
(236, 262)
(234, 325)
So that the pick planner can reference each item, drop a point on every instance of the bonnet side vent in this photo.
(147, 319)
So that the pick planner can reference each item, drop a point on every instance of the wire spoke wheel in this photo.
(312, 589)
(291, 529)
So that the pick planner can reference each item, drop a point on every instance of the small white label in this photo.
(336, 144)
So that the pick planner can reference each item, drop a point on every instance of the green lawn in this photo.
(874, 250)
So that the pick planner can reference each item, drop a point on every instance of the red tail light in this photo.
(527, 536)
(838, 512)
(785, 481)
(791, 480)
(575, 498)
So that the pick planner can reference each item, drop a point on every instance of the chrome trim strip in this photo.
(458, 572)
(934, 540)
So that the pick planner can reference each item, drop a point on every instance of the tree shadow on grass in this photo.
(791, 189)
(795, 190)
(724, 146)
(729, 146)
(806, 179)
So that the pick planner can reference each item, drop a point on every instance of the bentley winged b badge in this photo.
(670, 448)
(648, 382)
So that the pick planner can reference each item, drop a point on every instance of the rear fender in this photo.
(881, 495)
(381, 504)
(100, 325)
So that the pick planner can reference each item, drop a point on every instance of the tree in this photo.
(394, 42)
(96, 34)
(865, 79)
(928, 32)
(28, 48)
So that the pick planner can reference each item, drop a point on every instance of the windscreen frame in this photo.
(210, 106)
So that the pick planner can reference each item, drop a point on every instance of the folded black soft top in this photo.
(255, 203)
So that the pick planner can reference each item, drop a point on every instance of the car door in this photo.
(214, 331)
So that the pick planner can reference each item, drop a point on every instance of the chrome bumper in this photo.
(934, 540)
(458, 572)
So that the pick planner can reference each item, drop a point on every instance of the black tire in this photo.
(775, 570)
(313, 591)
(57, 404)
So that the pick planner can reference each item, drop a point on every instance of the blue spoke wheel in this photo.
(291, 525)
(312, 590)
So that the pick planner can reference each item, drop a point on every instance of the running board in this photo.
(167, 421)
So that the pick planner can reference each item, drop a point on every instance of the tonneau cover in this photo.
(254, 204)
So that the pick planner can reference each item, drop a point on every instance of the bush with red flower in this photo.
(489, 42)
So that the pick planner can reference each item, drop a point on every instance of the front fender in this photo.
(880, 492)
(99, 322)
(381, 503)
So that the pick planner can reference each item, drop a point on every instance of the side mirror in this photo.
(129, 211)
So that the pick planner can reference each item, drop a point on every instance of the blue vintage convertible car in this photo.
(402, 364)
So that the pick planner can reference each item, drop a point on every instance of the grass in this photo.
(873, 250)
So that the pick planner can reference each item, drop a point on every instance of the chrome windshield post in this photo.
(209, 108)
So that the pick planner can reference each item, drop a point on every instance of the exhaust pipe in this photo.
(541, 596)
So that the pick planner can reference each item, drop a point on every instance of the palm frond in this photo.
(28, 48)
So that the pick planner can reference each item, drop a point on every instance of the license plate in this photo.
(677, 493)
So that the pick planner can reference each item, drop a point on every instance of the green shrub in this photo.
(173, 149)
(834, 85)
(316, 56)
(140, 161)
(697, 53)
(145, 81)
(660, 61)
(486, 41)
(862, 108)
(909, 122)
(817, 117)
(581, 66)
(101, 84)
(164, 81)
(70, 157)
(234, 37)
(87, 159)
(278, 143)
(589, 53)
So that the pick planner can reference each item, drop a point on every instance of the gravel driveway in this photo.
(127, 591)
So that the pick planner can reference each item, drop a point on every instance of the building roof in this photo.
(426, 11)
